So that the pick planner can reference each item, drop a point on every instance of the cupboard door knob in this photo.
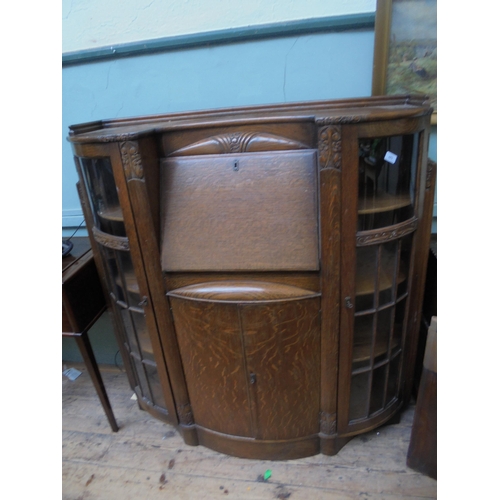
(253, 378)
(143, 302)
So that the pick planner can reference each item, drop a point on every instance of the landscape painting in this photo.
(412, 55)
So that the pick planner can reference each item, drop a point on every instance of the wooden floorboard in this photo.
(147, 459)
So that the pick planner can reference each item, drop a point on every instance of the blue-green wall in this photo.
(307, 67)
(284, 69)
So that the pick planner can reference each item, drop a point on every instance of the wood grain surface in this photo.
(241, 291)
(210, 345)
(148, 459)
(282, 344)
(242, 227)
(253, 369)
(240, 212)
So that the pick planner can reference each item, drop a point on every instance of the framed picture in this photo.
(405, 57)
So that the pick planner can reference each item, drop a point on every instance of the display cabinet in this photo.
(265, 265)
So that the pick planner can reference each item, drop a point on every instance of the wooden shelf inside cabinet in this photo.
(113, 214)
(131, 285)
(366, 271)
(381, 201)
(361, 350)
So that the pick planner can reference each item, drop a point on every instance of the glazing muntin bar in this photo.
(144, 380)
(374, 414)
(135, 356)
(374, 329)
(152, 399)
(120, 279)
(383, 362)
(367, 312)
(149, 362)
(407, 319)
(404, 333)
(138, 356)
(146, 391)
(393, 319)
(137, 310)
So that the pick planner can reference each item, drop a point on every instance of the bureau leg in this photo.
(85, 348)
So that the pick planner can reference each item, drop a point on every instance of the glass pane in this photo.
(392, 386)
(362, 344)
(143, 382)
(363, 338)
(101, 189)
(375, 274)
(145, 345)
(366, 274)
(155, 385)
(387, 171)
(359, 395)
(384, 326)
(388, 272)
(127, 279)
(129, 331)
(404, 265)
(378, 388)
(398, 325)
(113, 273)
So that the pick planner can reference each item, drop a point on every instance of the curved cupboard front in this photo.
(264, 265)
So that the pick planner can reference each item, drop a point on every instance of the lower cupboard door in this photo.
(209, 340)
(252, 369)
(282, 342)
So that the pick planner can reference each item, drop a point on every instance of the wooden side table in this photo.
(83, 303)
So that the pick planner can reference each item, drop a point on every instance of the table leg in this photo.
(87, 353)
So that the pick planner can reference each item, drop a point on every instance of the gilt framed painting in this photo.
(405, 55)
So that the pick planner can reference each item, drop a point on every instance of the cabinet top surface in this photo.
(80, 253)
(323, 112)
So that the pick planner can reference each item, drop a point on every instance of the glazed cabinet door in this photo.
(126, 284)
(378, 248)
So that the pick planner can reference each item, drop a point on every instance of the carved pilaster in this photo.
(329, 146)
(328, 423)
(185, 414)
(131, 160)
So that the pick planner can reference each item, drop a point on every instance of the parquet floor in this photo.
(148, 460)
